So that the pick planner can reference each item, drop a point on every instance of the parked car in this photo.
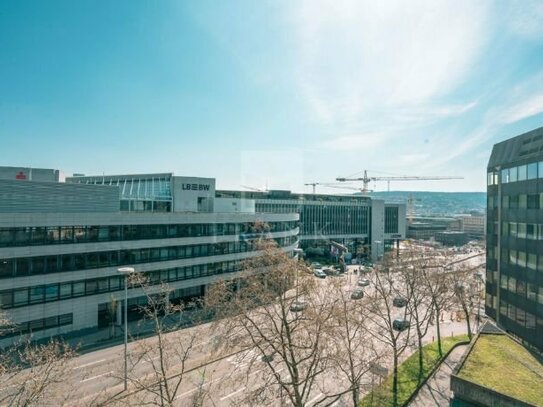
(316, 265)
(363, 282)
(330, 271)
(319, 273)
(400, 324)
(298, 306)
(357, 294)
(399, 302)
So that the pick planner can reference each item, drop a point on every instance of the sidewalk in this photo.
(436, 391)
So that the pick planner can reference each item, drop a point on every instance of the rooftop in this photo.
(499, 363)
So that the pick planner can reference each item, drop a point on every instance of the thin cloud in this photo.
(531, 107)
(358, 56)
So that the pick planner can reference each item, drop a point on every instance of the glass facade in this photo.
(145, 194)
(41, 294)
(514, 258)
(35, 236)
(25, 266)
(391, 219)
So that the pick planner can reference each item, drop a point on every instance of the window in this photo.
(522, 174)
(65, 290)
(20, 297)
(504, 176)
(78, 288)
(51, 292)
(522, 201)
(521, 259)
(532, 292)
(532, 261)
(513, 174)
(6, 300)
(36, 294)
(521, 230)
(532, 171)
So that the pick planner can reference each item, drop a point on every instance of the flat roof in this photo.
(501, 364)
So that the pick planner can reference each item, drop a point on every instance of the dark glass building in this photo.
(514, 270)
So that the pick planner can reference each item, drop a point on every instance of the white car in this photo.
(319, 273)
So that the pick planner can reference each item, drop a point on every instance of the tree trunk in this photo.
(419, 338)
(395, 381)
(438, 311)
(466, 313)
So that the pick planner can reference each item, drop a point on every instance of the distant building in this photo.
(474, 225)
(61, 245)
(449, 238)
(366, 226)
(424, 231)
(514, 261)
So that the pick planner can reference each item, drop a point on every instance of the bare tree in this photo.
(466, 294)
(33, 374)
(159, 365)
(419, 306)
(351, 344)
(389, 325)
(283, 319)
(436, 281)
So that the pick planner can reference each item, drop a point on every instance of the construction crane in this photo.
(366, 180)
(328, 185)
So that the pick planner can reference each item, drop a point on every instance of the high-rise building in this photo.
(514, 266)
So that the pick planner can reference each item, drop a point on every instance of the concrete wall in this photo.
(45, 197)
(193, 194)
(234, 205)
(31, 174)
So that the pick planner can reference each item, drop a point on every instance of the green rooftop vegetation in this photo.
(408, 374)
(501, 364)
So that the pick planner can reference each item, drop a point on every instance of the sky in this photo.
(269, 93)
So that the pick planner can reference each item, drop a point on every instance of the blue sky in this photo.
(275, 93)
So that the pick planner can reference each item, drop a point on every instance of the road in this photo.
(227, 380)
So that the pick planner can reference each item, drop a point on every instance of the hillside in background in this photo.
(438, 203)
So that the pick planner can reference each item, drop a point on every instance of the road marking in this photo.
(95, 377)
(196, 388)
(314, 399)
(89, 364)
(231, 394)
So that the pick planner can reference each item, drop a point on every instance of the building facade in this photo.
(366, 226)
(514, 271)
(473, 225)
(59, 264)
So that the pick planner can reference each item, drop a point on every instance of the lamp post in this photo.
(299, 253)
(126, 271)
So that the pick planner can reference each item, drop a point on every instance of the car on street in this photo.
(357, 294)
(399, 302)
(298, 306)
(330, 271)
(319, 273)
(400, 324)
(316, 265)
(363, 282)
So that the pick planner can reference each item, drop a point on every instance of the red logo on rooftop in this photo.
(20, 175)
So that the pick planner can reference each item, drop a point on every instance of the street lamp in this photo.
(126, 271)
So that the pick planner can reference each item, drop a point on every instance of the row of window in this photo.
(37, 325)
(26, 266)
(522, 288)
(60, 291)
(521, 230)
(523, 259)
(521, 201)
(26, 236)
(521, 317)
(514, 174)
